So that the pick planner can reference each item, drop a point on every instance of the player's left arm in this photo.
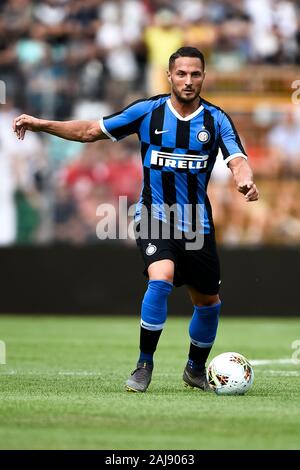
(236, 158)
(243, 178)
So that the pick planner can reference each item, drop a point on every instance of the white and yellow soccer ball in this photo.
(230, 373)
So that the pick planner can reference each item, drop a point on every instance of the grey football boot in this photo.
(140, 378)
(196, 379)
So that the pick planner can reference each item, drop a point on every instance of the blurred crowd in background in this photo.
(84, 59)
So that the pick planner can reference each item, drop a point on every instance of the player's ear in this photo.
(169, 75)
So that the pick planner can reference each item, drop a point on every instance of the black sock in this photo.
(148, 343)
(198, 356)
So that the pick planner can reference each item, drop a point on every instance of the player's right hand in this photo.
(249, 189)
(25, 122)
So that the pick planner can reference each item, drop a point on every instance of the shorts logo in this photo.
(203, 136)
(151, 249)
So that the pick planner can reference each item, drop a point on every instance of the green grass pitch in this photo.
(63, 387)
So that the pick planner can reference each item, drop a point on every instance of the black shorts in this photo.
(199, 268)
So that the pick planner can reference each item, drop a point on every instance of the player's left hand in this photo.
(249, 190)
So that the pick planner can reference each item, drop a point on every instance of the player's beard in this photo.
(186, 99)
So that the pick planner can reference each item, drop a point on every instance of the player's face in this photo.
(186, 78)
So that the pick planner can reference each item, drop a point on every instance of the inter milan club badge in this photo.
(203, 136)
(151, 249)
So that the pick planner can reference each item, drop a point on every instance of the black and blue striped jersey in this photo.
(178, 153)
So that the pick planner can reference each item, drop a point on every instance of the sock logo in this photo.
(151, 249)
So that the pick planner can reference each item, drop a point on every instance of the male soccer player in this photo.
(180, 136)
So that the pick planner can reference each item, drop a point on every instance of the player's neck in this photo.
(185, 109)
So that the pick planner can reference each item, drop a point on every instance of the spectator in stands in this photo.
(82, 58)
(21, 169)
(284, 145)
(199, 31)
(284, 222)
(161, 38)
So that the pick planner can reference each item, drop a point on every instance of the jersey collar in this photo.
(187, 118)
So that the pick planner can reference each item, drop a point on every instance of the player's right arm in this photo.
(116, 127)
(80, 131)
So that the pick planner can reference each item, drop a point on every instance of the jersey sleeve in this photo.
(126, 122)
(229, 140)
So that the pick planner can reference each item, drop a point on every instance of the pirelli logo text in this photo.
(178, 161)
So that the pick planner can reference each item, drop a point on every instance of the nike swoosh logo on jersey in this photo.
(160, 132)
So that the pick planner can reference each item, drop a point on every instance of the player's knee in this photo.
(163, 276)
(161, 271)
(206, 300)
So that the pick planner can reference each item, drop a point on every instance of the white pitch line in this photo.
(82, 373)
(265, 362)
(284, 373)
(79, 373)
(85, 373)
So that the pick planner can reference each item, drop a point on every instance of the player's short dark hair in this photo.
(186, 52)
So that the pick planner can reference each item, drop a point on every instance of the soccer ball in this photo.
(230, 373)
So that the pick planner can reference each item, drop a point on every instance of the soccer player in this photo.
(180, 134)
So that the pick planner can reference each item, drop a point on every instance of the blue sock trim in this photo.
(204, 324)
(196, 366)
(151, 326)
(146, 357)
(154, 306)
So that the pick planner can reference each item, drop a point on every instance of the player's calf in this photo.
(153, 318)
(203, 330)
